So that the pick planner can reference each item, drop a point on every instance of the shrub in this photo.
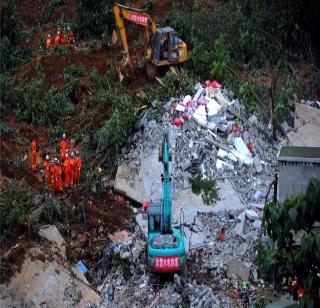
(30, 103)
(208, 189)
(20, 211)
(221, 60)
(94, 18)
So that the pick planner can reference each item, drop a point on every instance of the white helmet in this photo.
(64, 136)
(67, 155)
(47, 157)
(49, 35)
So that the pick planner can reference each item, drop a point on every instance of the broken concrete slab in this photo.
(191, 204)
(51, 283)
(142, 182)
(252, 215)
(240, 270)
(202, 112)
(52, 234)
(307, 135)
(257, 164)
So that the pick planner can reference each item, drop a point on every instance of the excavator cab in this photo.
(165, 46)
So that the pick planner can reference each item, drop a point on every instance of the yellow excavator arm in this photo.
(135, 16)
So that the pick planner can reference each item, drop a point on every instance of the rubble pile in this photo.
(213, 138)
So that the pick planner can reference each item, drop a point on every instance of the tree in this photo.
(286, 259)
(94, 18)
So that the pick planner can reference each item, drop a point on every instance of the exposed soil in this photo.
(33, 10)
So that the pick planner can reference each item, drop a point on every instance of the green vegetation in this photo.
(221, 60)
(30, 103)
(287, 259)
(22, 210)
(4, 270)
(208, 188)
(94, 18)
(11, 54)
(251, 36)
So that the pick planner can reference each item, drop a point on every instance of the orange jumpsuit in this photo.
(57, 40)
(34, 155)
(78, 164)
(58, 177)
(63, 148)
(48, 43)
(66, 171)
(62, 40)
(72, 164)
(46, 166)
(52, 176)
(70, 37)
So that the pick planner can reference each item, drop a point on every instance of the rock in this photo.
(285, 127)
(257, 224)
(253, 120)
(257, 164)
(51, 233)
(137, 249)
(239, 269)
(257, 195)
(252, 215)
(242, 249)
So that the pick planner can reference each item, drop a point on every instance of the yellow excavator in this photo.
(164, 47)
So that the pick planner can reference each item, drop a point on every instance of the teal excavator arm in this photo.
(166, 188)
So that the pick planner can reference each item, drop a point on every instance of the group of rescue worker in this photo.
(60, 39)
(59, 173)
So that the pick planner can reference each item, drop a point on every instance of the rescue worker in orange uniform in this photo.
(78, 164)
(48, 42)
(52, 175)
(57, 39)
(62, 40)
(46, 167)
(70, 36)
(58, 176)
(72, 168)
(63, 147)
(33, 154)
(66, 171)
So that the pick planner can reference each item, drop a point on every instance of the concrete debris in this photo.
(238, 269)
(252, 215)
(52, 234)
(209, 136)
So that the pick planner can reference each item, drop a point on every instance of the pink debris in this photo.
(235, 129)
(250, 147)
(178, 121)
(213, 85)
(121, 199)
(145, 205)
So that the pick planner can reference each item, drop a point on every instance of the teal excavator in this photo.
(165, 247)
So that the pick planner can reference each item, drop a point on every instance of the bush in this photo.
(94, 18)
(221, 60)
(208, 188)
(20, 211)
(11, 55)
(174, 85)
(30, 103)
